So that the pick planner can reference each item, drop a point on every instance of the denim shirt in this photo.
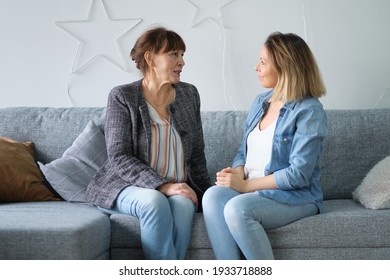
(298, 143)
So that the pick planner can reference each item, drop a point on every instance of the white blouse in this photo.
(259, 150)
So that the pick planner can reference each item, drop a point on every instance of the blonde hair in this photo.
(298, 72)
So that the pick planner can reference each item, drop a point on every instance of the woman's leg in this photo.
(154, 212)
(250, 214)
(223, 243)
(183, 210)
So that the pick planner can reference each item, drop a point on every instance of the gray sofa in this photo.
(61, 230)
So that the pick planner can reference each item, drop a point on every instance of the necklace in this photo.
(152, 100)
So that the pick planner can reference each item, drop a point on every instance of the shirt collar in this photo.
(289, 105)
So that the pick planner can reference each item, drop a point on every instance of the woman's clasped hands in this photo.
(232, 178)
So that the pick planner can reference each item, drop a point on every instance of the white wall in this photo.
(60, 53)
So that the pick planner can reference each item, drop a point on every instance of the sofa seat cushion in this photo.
(53, 230)
(126, 238)
(341, 231)
(122, 224)
(344, 224)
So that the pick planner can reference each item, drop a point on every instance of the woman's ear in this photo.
(149, 58)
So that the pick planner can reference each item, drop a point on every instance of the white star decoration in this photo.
(98, 36)
(211, 10)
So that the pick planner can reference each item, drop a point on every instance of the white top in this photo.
(259, 150)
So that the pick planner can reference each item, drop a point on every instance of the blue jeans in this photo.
(237, 222)
(166, 222)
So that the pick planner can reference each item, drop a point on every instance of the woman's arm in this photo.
(233, 178)
(199, 170)
(120, 141)
(302, 158)
(305, 151)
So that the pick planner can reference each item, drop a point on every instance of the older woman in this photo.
(275, 177)
(156, 169)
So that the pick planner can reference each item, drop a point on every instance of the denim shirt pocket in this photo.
(282, 149)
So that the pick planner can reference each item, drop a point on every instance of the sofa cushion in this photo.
(70, 174)
(52, 130)
(53, 231)
(20, 178)
(345, 230)
(344, 224)
(343, 164)
(374, 191)
(223, 134)
(126, 238)
(357, 141)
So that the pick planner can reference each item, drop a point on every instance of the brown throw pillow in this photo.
(20, 178)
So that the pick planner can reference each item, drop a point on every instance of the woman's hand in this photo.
(232, 178)
(171, 189)
(235, 179)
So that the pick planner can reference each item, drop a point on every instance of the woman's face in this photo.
(168, 66)
(268, 76)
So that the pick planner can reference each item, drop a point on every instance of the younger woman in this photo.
(275, 176)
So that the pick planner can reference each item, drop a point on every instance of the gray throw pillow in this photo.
(70, 175)
(374, 191)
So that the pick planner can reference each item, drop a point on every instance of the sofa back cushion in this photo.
(222, 131)
(52, 130)
(358, 139)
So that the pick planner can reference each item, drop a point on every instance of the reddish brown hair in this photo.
(155, 40)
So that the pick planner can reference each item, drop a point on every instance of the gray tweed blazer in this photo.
(128, 140)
